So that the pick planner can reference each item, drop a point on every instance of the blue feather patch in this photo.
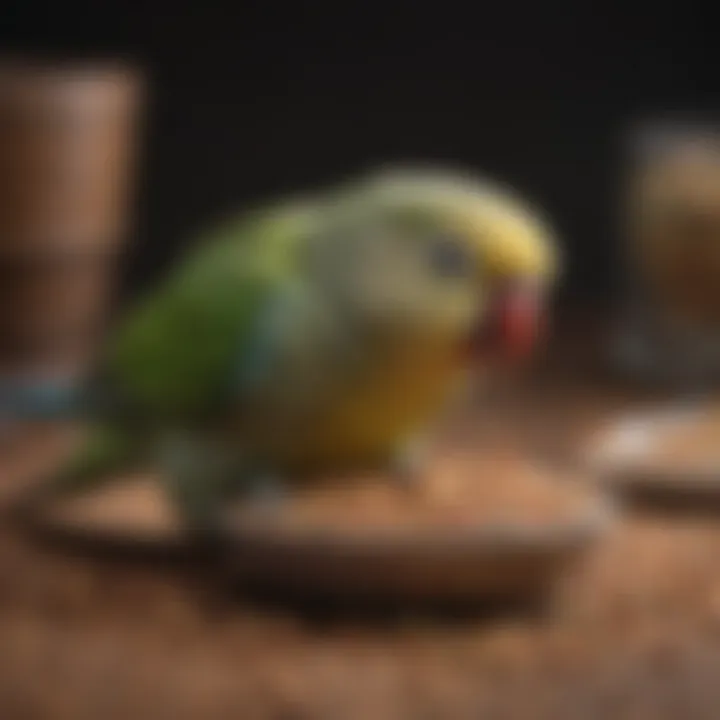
(256, 353)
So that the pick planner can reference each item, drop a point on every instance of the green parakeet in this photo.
(318, 335)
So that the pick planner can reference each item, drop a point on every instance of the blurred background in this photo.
(251, 100)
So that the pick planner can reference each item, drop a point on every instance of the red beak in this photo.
(513, 325)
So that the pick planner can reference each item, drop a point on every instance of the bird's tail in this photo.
(105, 452)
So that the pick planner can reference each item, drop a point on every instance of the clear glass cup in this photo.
(668, 332)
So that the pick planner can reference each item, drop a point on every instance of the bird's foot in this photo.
(266, 491)
(410, 464)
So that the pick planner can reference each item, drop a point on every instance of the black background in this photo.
(257, 98)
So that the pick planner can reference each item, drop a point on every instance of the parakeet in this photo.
(322, 334)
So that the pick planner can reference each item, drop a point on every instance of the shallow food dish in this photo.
(475, 527)
(129, 514)
(27, 453)
(668, 454)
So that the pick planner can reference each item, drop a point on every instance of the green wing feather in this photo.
(174, 356)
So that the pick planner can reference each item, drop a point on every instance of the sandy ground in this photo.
(633, 633)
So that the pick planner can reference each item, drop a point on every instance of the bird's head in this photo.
(442, 257)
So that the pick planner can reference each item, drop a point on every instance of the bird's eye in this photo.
(449, 257)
